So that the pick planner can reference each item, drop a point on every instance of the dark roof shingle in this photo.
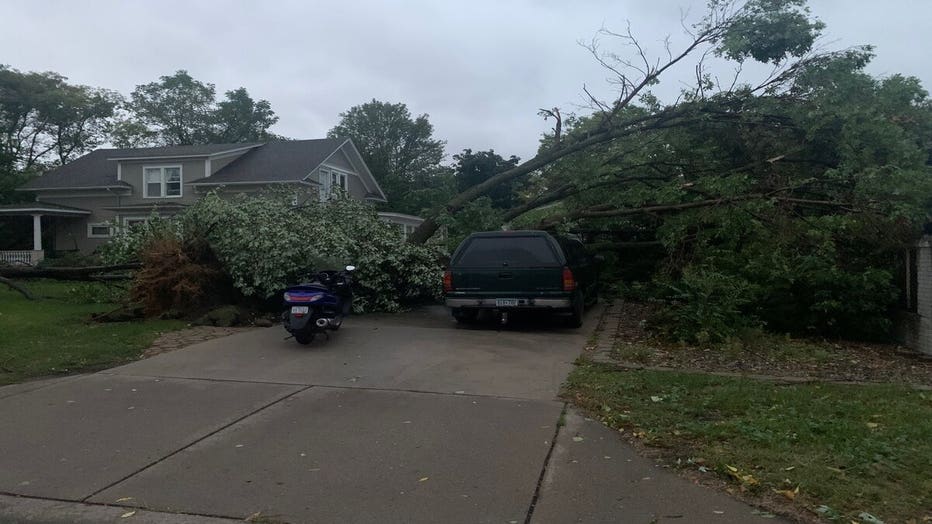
(173, 151)
(91, 170)
(280, 160)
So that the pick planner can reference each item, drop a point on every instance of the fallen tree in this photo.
(17, 287)
(97, 273)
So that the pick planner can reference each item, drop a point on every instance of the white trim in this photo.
(391, 214)
(119, 171)
(254, 183)
(231, 152)
(172, 157)
(164, 183)
(207, 168)
(90, 230)
(79, 195)
(125, 219)
(128, 188)
(45, 210)
(366, 168)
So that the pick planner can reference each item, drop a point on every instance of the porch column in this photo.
(37, 232)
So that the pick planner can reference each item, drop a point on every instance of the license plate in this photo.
(506, 302)
(298, 310)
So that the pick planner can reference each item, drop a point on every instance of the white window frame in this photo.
(162, 168)
(325, 176)
(126, 221)
(91, 226)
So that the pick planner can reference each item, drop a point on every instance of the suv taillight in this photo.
(569, 283)
(447, 281)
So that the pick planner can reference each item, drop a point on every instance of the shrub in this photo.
(707, 306)
(264, 243)
(70, 259)
(126, 246)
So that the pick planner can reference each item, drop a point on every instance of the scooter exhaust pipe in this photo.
(322, 322)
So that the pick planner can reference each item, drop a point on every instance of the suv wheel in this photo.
(465, 316)
(576, 316)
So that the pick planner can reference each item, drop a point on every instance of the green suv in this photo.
(520, 270)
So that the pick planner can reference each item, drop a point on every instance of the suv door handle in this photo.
(505, 275)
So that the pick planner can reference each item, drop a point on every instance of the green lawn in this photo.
(52, 335)
(849, 449)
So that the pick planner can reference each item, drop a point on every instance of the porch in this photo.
(36, 210)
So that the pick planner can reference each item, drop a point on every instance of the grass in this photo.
(52, 335)
(849, 449)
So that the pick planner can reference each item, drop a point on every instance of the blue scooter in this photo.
(318, 306)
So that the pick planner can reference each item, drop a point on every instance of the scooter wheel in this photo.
(304, 338)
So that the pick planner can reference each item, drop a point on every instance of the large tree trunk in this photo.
(69, 273)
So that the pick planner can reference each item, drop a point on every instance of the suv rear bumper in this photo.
(532, 303)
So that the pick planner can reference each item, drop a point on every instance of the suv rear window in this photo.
(518, 251)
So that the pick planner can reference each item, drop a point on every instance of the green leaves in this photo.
(265, 244)
(769, 31)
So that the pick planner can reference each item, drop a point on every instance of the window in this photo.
(161, 182)
(129, 222)
(508, 250)
(329, 180)
(101, 230)
(406, 230)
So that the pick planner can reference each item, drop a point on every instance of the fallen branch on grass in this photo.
(70, 273)
(18, 287)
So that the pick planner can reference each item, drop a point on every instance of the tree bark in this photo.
(18, 287)
(68, 273)
(635, 125)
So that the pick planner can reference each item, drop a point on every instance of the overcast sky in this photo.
(480, 68)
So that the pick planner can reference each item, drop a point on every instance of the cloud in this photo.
(480, 69)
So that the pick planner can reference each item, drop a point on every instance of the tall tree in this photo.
(45, 121)
(735, 29)
(239, 118)
(399, 150)
(473, 168)
(178, 109)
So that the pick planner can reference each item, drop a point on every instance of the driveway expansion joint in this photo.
(543, 469)
(107, 505)
(195, 441)
(362, 388)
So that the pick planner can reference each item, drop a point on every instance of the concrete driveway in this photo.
(403, 418)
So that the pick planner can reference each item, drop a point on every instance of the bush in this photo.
(263, 243)
(70, 259)
(707, 306)
(825, 276)
(126, 246)
(290, 244)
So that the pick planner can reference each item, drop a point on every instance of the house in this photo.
(77, 204)
(914, 325)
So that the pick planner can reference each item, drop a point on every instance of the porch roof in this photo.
(41, 208)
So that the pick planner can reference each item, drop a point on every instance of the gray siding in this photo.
(191, 169)
(339, 161)
(71, 233)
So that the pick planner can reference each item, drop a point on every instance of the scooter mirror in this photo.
(351, 268)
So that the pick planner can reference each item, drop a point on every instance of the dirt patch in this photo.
(625, 339)
(190, 336)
